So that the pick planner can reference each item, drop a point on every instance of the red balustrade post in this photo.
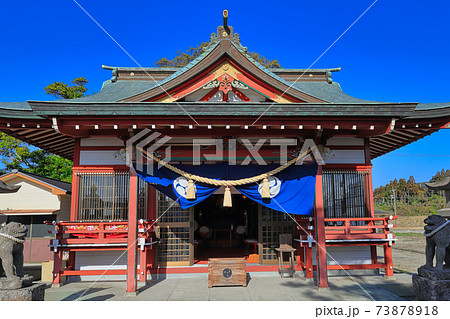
(373, 254)
(58, 257)
(308, 263)
(389, 272)
(71, 261)
(152, 202)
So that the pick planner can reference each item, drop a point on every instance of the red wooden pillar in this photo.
(132, 232)
(322, 277)
(75, 183)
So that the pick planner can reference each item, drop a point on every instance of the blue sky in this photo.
(398, 51)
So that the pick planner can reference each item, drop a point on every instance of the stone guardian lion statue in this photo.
(12, 237)
(437, 233)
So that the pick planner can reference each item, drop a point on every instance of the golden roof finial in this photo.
(225, 19)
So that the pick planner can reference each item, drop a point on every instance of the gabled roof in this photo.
(57, 187)
(131, 84)
(142, 93)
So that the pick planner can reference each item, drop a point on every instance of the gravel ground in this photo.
(409, 250)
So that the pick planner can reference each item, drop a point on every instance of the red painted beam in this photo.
(307, 122)
(356, 266)
(93, 272)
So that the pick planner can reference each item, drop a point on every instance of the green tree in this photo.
(412, 198)
(183, 58)
(440, 175)
(16, 154)
(62, 90)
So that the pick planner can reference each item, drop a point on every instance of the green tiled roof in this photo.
(221, 109)
(119, 90)
(432, 106)
(115, 91)
(17, 110)
(330, 92)
(21, 106)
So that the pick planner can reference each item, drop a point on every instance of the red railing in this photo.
(370, 231)
(358, 228)
(75, 236)
(350, 228)
(85, 232)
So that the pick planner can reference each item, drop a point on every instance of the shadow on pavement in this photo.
(78, 294)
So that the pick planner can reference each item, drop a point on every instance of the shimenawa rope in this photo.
(190, 190)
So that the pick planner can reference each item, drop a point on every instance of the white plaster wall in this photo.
(345, 157)
(29, 196)
(100, 260)
(344, 141)
(101, 141)
(346, 255)
(100, 158)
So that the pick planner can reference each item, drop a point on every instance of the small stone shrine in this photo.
(14, 284)
(433, 283)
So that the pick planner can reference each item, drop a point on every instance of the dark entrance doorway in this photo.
(222, 232)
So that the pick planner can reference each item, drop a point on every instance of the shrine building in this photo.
(251, 154)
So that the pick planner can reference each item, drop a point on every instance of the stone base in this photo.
(129, 294)
(389, 278)
(35, 292)
(433, 273)
(431, 290)
(16, 283)
(432, 284)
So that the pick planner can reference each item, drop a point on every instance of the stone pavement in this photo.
(270, 287)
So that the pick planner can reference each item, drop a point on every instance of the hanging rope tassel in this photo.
(265, 189)
(227, 197)
(190, 190)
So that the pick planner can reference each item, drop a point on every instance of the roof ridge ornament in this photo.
(225, 19)
(225, 32)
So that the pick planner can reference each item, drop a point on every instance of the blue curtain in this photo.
(292, 190)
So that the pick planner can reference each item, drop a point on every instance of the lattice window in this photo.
(174, 232)
(345, 194)
(174, 244)
(170, 212)
(273, 223)
(104, 196)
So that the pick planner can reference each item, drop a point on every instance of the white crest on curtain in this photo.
(274, 186)
(180, 184)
